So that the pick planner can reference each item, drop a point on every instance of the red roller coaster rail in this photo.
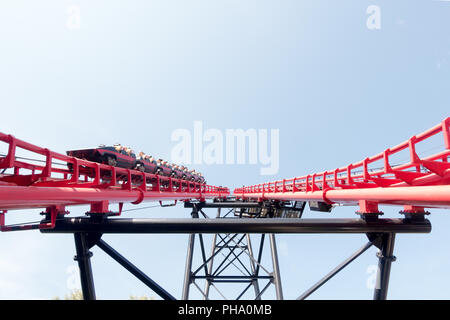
(417, 184)
(54, 181)
(24, 183)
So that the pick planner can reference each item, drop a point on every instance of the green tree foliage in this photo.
(144, 297)
(73, 295)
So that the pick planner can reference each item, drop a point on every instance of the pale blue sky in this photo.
(135, 72)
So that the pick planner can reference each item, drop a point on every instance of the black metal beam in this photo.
(385, 259)
(202, 205)
(213, 255)
(234, 277)
(242, 225)
(261, 247)
(134, 270)
(83, 258)
(332, 273)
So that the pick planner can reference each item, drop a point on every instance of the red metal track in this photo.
(25, 183)
(419, 183)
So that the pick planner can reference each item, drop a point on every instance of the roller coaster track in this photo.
(54, 181)
(58, 181)
(417, 184)
(61, 181)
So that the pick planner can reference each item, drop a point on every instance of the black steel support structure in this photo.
(238, 225)
(83, 258)
(231, 259)
(335, 271)
(134, 270)
(188, 279)
(83, 242)
(231, 241)
(385, 259)
(276, 267)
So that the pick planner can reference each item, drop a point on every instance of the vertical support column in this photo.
(189, 256)
(210, 265)
(188, 271)
(84, 263)
(276, 267)
(385, 259)
(253, 267)
(248, 273)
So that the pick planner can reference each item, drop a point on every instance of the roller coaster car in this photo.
(163, 169)
(121, 159)
(106, 155)
(200, 180)
(189, 176)
(147, 166)
(178, 173)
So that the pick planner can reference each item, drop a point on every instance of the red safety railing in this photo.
(55, 181)
(418, 182)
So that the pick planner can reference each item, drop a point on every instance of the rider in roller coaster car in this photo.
(162, 166)
(118, 147)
